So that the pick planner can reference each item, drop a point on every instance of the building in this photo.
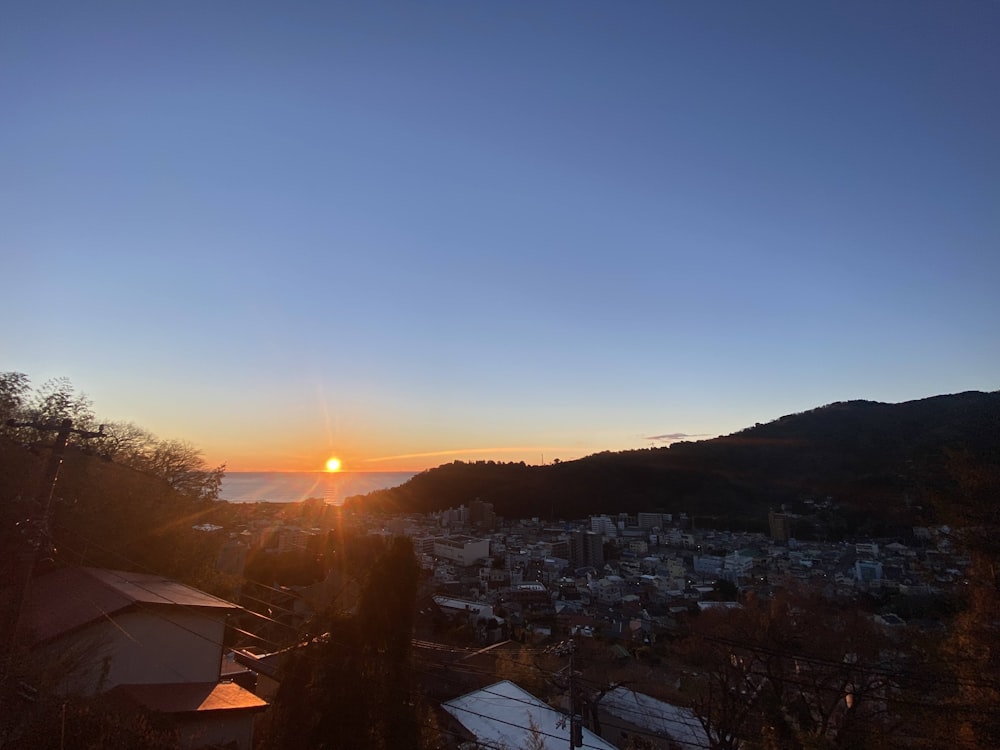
(651, 521)
(586, 549)
(608, 590)
(638, 546)
(462, 550)
(455, 516)
(868, 570)
(528, 594)
(147, 640)
(603, 525)
(481, 514)
(866, 550)
(465, 608)
(638, 718)
(293, 539)
(709, 566)
(423, 544)
(780, 525)
(503, 715)
(737, 566)
(560, 548)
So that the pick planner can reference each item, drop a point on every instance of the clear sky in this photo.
(409, 232)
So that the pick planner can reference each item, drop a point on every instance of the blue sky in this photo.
(513, 230)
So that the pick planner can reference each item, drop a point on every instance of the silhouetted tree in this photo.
(793, 672)
(972, 650)
(352, 685)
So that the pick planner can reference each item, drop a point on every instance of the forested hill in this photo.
(881, 458)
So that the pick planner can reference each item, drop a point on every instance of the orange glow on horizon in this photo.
(369, 461)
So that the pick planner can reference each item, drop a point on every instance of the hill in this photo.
(877, 460)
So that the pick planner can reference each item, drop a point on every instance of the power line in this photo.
(38, 540)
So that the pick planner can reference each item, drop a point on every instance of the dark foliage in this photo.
(350, 685)
(879, 460)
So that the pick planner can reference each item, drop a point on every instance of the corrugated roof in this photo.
(504, 714)
(70, 598)
(153, 589)
(679, 724)
(191, 697)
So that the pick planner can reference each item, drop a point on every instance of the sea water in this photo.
(293, 486)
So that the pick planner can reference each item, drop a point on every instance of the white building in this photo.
(737, 566)
(475, 611)
(609, 590)
(603, 525)
(462, 550)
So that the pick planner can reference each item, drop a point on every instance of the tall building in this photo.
(586, 549)
(481, 514)
(780, 525)
(603, 525)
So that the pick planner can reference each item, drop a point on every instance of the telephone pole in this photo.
(575, 719)
(37, 529)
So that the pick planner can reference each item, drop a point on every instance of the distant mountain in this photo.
(878, 461)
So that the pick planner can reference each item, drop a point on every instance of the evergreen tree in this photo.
(352, 685)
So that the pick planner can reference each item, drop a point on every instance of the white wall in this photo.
(466, 555)
(149, 646)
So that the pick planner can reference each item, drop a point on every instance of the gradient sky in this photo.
(409, 232)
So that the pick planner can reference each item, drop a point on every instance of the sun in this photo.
(333, 464)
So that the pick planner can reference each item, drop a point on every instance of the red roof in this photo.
(191, 697)
(70, 598)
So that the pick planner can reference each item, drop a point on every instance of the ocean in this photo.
(292, 486)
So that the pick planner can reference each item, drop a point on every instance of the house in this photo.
(628, 716)
(502, 715)
(473, 611)
(147, 640)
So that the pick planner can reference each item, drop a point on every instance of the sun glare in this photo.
(333, 464)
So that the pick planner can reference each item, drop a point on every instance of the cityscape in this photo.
(500, 375)
(144, 611)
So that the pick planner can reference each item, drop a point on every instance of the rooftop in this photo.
(70, 598)
(680, 724)
(191, 697)
(508, 716)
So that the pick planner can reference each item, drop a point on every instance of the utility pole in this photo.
(38, 529)
(575, 719)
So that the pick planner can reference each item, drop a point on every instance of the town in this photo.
(604, 573)
(140, 610)
(621, 588)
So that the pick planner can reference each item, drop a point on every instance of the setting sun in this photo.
(333, 464)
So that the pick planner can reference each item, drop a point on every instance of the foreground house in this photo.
(505, 717)
(636, 716)
(152, 642)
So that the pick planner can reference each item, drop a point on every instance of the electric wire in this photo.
(721, 640)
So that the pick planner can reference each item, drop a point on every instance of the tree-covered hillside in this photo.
(880, 458)
(123, 498)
